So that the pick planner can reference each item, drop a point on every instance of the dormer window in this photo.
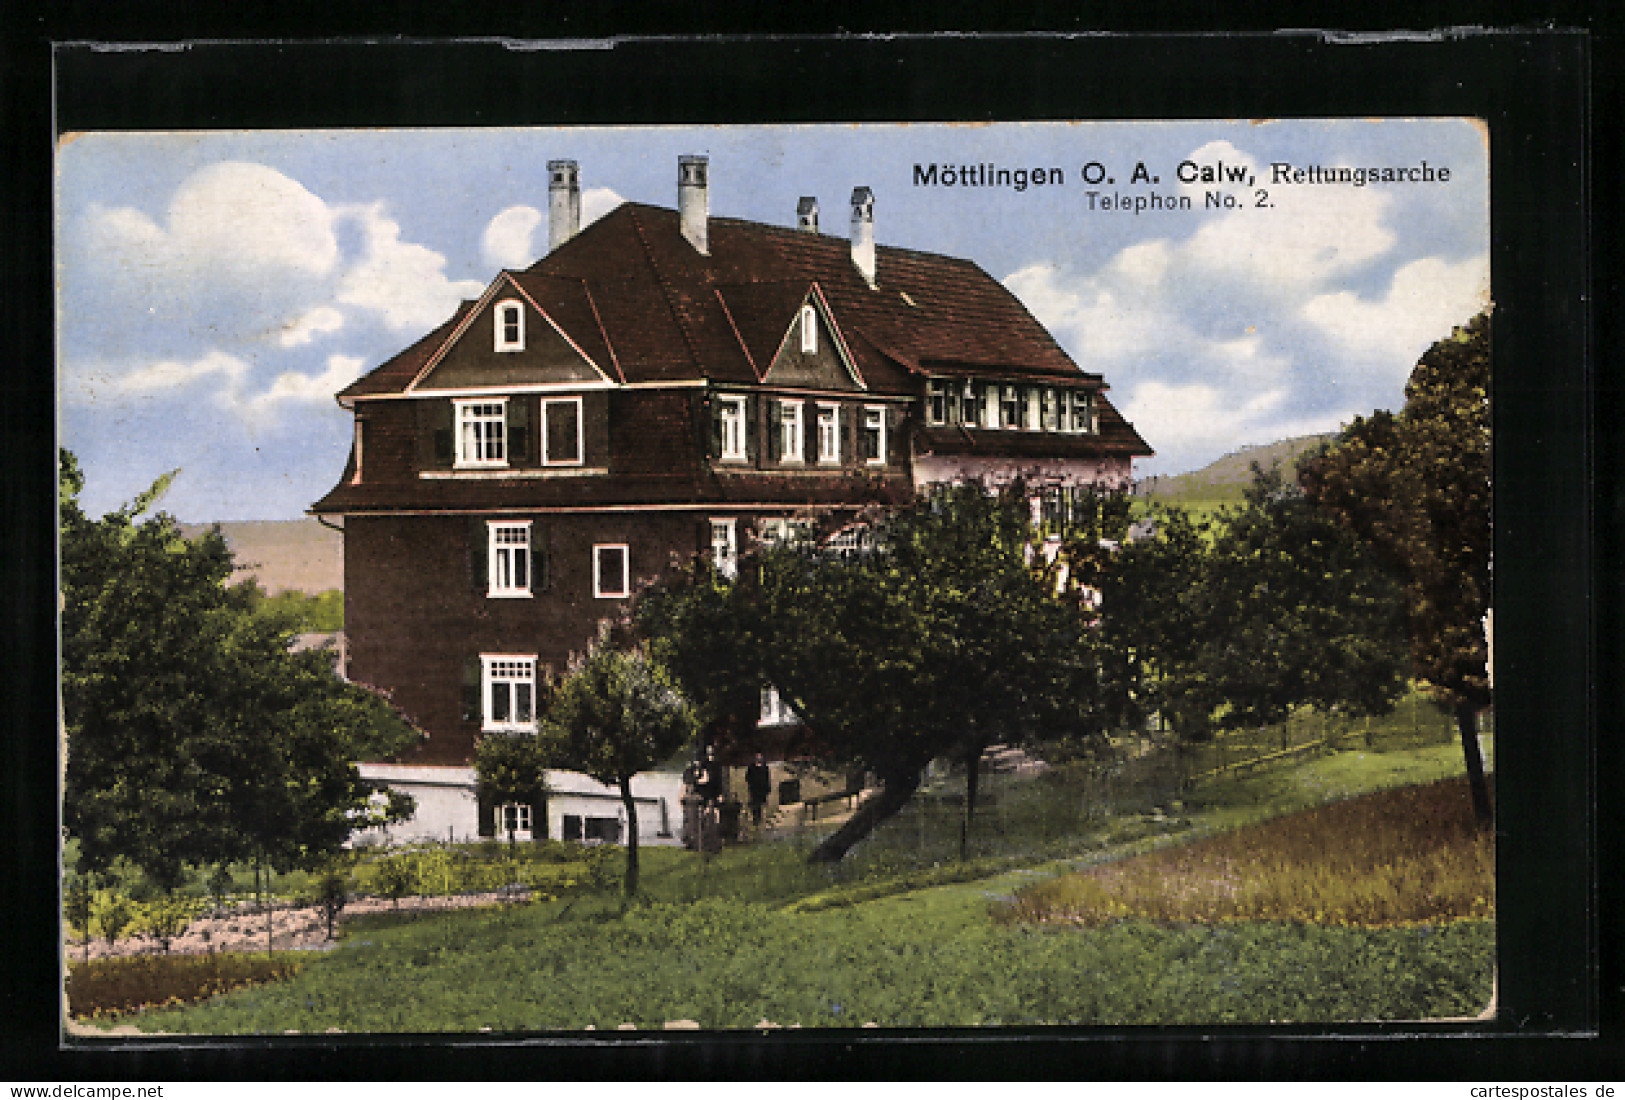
(510, 326)
(936, 403)
(482, 437)
(809, 329)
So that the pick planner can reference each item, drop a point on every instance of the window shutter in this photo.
(519, 433)
(538, 819)
(479, 550)
(851, 425)
(541, 561)
(472, 711)
(714, 444)
(775, 430)
(487, 817)
(434, 434)
(752, 431)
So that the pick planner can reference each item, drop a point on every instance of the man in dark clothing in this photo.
(758, 781)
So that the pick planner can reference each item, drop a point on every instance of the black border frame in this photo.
(1534, 88)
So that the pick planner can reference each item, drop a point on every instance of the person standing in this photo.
(758, 781)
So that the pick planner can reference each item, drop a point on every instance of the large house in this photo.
(664, 384)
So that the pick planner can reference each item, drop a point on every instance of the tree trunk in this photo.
(973, 775)
(631, 883)
(894, 793)
(1467, 723)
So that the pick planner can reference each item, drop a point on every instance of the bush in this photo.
(111, 987)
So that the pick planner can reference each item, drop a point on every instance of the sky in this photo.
(216, 289)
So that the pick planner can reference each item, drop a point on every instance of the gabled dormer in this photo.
(507, 340)
(811, 353)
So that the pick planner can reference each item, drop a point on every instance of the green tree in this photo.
(941, 639)
(194, 735)
(616, 714)
(1416, 488)
(1236, 622)
(513, 768)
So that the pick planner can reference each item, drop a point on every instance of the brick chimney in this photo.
(563, 202)
(863, 233)
(807, 214)
(693, 201)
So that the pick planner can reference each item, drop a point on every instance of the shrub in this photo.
(110, 987)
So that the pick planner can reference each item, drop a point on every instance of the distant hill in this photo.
(284, 554)
(1227, 478)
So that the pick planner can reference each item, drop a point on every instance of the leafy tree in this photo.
(513, 768)
(1416, 488)
(944, 638)
(1270, 607)
(194, 735)
(617, 713)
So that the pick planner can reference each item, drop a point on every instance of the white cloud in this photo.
(509, 240)
(170, 374)
(1425, 299)
(303, 330)
(230, 220)
(404, 283)
(294, 386)
(517, 237)
(1194, 423)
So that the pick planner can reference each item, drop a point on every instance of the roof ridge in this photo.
(666, 292)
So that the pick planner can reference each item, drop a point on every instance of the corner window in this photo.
(792, 446)
(731, 429)
(611, 578)
(1051, 410)
(874, 435)
(936, 403)
(809, 329)
(482, 438)
(725, 547)
(1033, 419)
(1010, 407)
(561, 432)
(829, 434)
(509, 571)
(509, 322)
(509, 693)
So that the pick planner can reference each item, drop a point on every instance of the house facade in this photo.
(664, 384)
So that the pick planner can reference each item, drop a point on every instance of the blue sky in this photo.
(216, 289)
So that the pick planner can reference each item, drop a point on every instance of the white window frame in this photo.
(776, 530)
(523, 825)
(792, 433)
(990, 405)
(1051, 409)
(1033, 409)
(936, 403)
(581, 434)
(809, 329)
(725, 546)
(598, 589)
(502, 551)
(514, 671)
(829, 433)
(874, 416)
(1009, 402)
(774, 710)
(731, 414)
(499, 317)
(468, 412)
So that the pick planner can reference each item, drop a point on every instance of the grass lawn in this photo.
(891, 937)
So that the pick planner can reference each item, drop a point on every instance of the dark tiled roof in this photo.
(632, 292)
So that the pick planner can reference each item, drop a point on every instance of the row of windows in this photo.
(789, 431)
(998, 405)
(511, 570)
(483, 426)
